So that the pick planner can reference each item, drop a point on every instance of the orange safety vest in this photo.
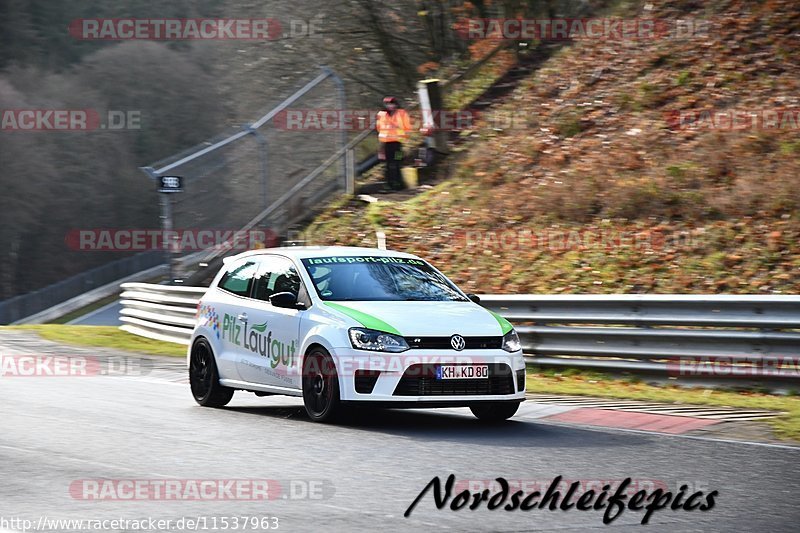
(393, 128)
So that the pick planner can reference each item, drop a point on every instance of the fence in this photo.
(233, 182)
(612, 333)
(297, 199)
(232, 178)
(25, 305)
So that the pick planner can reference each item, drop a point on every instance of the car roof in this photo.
(305, 252)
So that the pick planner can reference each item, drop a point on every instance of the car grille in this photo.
(443, 343)
(420, 380)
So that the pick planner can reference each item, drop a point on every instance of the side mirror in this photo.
(286, 300)
(474, 297)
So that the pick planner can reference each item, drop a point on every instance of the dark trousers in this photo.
(394, 161)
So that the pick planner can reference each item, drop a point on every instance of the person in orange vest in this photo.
(393, 125)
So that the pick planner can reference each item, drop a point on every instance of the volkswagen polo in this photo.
(340, 325)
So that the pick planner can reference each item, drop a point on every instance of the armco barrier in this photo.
(637, 333)
(161, 312)
(643, 333)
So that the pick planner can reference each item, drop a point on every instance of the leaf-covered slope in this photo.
(593, 189)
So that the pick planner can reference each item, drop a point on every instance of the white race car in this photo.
(337, 325)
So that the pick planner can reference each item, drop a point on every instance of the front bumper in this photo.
(409, 378)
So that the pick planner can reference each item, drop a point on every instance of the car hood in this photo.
(424, 319)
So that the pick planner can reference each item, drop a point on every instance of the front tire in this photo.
(204, 377)
(321, 387)
(494, 411)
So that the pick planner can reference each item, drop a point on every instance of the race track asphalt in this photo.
(144, 425)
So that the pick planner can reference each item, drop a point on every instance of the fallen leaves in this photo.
(704, 211)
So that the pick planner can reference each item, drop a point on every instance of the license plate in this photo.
(462, 372)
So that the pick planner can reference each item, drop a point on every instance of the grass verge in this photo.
(786, 426)
(103, 337)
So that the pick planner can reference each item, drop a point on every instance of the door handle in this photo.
(243, 317)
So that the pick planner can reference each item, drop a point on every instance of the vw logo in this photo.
(457, 342)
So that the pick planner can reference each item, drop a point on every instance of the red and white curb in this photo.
(632, 414)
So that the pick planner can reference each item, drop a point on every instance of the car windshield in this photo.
(376, 278)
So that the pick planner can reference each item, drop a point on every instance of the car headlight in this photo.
(377, 341)
(511, 341)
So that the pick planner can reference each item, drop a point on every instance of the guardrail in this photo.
(612, 333)
(645, 333)
(162, 312)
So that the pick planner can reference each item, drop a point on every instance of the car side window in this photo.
(239, 278)
(276, 274)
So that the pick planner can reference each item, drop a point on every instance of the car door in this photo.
(269, 351)
(231, 303)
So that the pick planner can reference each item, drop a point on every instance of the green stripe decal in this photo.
(505, 325)
(368, 321)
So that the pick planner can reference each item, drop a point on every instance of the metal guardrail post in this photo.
(165, 202)
(350, 186)
(262, 142)
(342, 96)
